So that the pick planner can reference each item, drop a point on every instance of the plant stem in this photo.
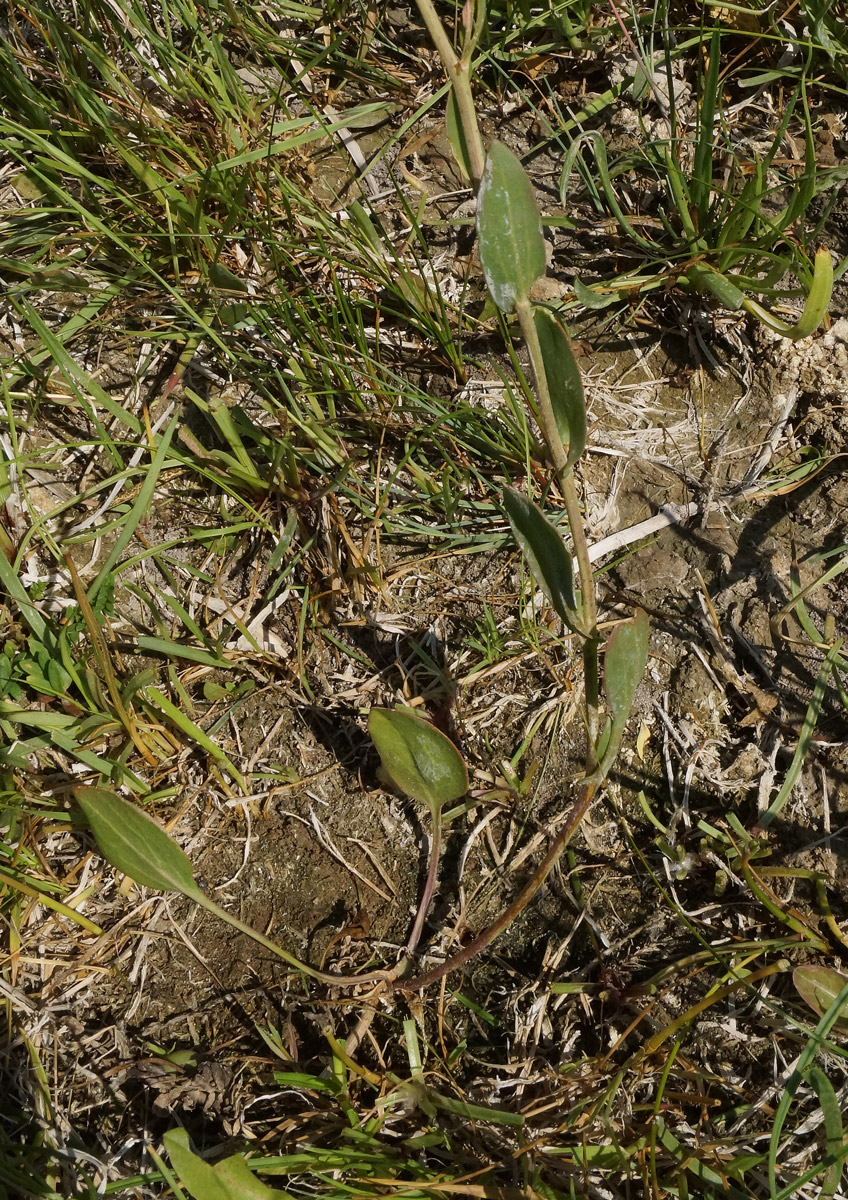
(429, 886)
(458, 71)
(588, 788)
(319, 976)
(568, 487)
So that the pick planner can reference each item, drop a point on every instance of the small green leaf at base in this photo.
(512, 249)
(547, 554)
(133, 842)
(565, 384)
(420, 760)
(592, 299)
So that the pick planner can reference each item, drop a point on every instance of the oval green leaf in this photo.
(223, 279)
(819, 987)
(420, 760)
(512, 249)
(197, 1176)
(545, 551)
(134, 843)
(230, 1179)
(624, 665)
(565, 383)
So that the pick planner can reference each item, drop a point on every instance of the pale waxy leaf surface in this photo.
(565, 383)
(512, 249)
(420, 760)
(134, 843)
(549, 559)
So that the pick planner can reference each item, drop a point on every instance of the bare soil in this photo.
(685, 403)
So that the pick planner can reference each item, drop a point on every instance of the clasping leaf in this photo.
(512, 249)
(565, 384)
(624, 666)
(543, 547)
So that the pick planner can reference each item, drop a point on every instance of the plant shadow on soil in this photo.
(204, 988)
(336, 852)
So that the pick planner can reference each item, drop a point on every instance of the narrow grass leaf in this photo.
(830, 1018)
(702, 174)
(804, 741)
(565, 383)
(599, 150)
(545, 551)
(157, 645)
(187, 726)
(708, 1178)
(456, 137)
(15, 590)
(835, 1145)
(421, 761)
(134, 843)
(512, 249)
(139, 509)
(475, 1112)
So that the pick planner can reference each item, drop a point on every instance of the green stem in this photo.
(429, 886)
(588, 788)
(319, 976)
(458, 71)
(565, 479)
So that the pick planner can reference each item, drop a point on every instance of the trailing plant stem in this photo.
(318, 976)
(565, 479)
(588, 788)
(429, 886)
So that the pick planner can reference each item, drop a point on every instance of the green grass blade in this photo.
(156, 699)
(700, 187)
(807, 730)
